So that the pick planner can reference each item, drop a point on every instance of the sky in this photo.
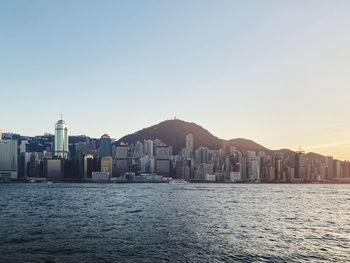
(276, 72)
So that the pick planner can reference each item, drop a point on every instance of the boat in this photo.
(31, 181)
(178, 181)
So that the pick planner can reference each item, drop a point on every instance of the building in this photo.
(162, 160)
(152, 165)
(148, 147)
(145, 164)
(227, 167)
(88, 166)
(22, 160)
(187, 153)
(189, 141)
(80, 151)
(300, 165)
(345, 169)
(210, 177)
(61, 139)
(107, 164)
(255, 165)
(329, 167)
(336, 168)
(252, 166)
(34, 165)
(243, 166)
(201, 155)
(232, 167)
(101, 177)
(23, 146)
(0, 135)
(156, 143)
(105, 146)
(8, 160)
(179, 170)
(278, 170)
(53, 168)
(22, 165)
(138, 149)
(122, 158)
(235, 177)
(203, 170)
(189, 145)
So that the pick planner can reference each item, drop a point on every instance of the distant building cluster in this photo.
(61, 157)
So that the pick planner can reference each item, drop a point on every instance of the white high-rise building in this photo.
(61, 139)
(189, 142)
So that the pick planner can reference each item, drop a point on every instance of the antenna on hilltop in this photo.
(300, 150)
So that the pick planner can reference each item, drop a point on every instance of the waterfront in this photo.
(174, 223)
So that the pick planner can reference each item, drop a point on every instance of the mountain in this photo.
(315, 156)
(285, 152)
(173, 132)
(241, 143)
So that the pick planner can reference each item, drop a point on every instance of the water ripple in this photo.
(174, 223)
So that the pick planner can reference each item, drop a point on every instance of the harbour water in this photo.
(174, 223)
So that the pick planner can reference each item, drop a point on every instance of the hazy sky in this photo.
(276, 72)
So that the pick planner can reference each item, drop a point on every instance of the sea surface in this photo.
(174, 223)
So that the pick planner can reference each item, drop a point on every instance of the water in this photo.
(174, 223)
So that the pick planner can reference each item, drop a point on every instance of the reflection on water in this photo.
(174, 223)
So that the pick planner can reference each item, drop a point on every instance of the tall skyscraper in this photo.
(156, 143)
(107, 165)
(105, 146)
(88, 166)
(329, 167)
(255, 164)
(336, 168)
(8, 159)
(252, 166)
(162, 160)
(148, 147)
(201, 155)
(61, 139)
(189, 142)
(300, 165)
(122, 158)
(34, 165)
(145, 161)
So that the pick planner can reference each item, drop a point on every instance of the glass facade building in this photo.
(61, 139)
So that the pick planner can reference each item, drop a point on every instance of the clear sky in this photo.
(276, 72)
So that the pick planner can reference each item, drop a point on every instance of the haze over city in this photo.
(271, 71)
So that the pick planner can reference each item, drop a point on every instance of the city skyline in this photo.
(189, 137)
(167, 151)
(273, 72)
(135, 132)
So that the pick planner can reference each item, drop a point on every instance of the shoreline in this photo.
(160, 182)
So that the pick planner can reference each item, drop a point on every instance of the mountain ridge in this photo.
(173, 133)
